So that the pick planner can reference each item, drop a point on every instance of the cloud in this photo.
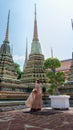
(18, 58)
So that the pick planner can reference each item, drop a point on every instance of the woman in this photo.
(34, 100)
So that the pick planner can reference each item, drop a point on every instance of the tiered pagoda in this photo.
(6, 60)
(67, 88)
(10, 87)
(33, 66)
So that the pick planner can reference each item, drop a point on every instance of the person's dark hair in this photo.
(38, 81)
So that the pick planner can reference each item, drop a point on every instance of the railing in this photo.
(13, 93)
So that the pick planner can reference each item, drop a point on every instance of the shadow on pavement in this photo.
(44, 112)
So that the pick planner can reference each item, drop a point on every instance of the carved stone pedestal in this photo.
(60, 101)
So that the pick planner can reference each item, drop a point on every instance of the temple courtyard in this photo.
(46, 119)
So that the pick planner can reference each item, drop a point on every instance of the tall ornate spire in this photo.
(35, 35)
(35, 47)
(7, 29)
(26, 54)
(51, 53)
(72, 56)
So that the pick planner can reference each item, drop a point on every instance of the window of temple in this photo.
(13, 89)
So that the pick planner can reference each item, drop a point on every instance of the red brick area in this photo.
(41, 120)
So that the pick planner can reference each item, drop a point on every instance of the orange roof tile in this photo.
(65, 65)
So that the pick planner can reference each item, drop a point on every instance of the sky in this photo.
(53, 22)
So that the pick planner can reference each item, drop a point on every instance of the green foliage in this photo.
(54, 78)
(52, 63)
(50, 90)
(17, 70)
(60, 77)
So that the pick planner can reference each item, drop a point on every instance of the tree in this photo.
(55, 78)
(17, 70)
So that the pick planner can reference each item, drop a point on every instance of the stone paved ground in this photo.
(41, 120)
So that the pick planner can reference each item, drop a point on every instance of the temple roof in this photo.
(65, 65)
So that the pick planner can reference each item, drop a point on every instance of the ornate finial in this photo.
(35, 11)
(51, 52)
(72, 23)
(35, 35)
(7, 29)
